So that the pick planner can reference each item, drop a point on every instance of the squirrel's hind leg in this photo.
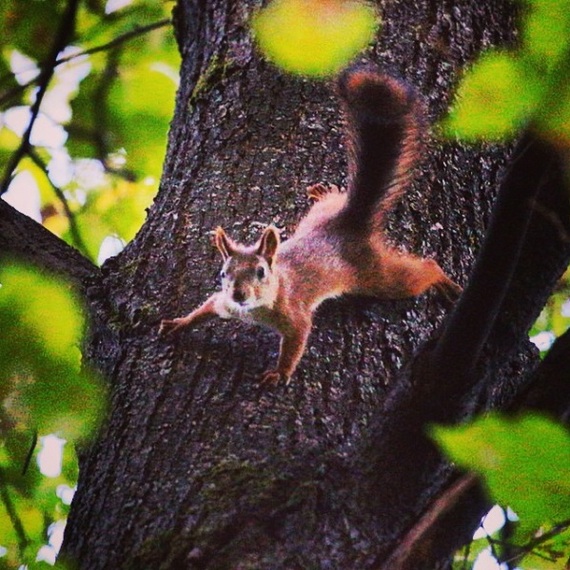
(403, 275)
(422, 274)
(449, 289)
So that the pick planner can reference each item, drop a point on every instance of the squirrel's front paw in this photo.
(169, 326)
(273, 377)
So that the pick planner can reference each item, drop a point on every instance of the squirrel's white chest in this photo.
(246, 312)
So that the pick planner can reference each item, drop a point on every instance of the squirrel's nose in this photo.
(239, 296)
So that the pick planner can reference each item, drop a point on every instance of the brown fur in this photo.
(281, 285)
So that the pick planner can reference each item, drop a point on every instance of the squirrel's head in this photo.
(248, 274)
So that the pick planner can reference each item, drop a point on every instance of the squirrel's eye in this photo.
(222, 274)
(260, 272)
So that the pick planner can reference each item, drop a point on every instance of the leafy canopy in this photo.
(524, 462)
(99, 137)
(44, 389)
(507, 89)
(86, 95)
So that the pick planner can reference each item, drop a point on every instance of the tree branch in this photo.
(445, 381)
(17, 524)
(137, 31)
(544, 257)
(64, 33)
(409, 550)
(73, 229)
(23, 238)
(549, 389)
(459, 348)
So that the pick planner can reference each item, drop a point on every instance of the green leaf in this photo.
(494, 99)
(314, 37)
(47, 307)
(554, 115)
(42, 383)
(546, 31)
(525, 463)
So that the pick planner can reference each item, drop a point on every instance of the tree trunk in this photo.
(197, 465)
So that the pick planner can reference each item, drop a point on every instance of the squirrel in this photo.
(339, 246)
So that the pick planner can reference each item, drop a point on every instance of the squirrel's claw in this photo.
(319, 191)
(168, 326)
(271, 378)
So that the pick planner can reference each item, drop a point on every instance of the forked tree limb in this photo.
(24, 239)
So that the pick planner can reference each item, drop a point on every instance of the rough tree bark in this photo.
(197, 466)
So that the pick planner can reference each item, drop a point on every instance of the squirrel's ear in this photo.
(268, 244)
(224, 244)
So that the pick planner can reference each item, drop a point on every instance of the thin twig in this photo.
(466, 552)
(492, 543)
(30, 454)
(73, 228)
(415, 538)
(23, 539)
(137, 31)
(531, 545)
(64, 33)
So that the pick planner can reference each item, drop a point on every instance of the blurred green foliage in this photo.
(314, 37)
(44, 389)
(505, 90)
(111, 97)
(525, 462)
(44, 386)
(93, 165)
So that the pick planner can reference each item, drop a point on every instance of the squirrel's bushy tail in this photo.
(384, 130)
